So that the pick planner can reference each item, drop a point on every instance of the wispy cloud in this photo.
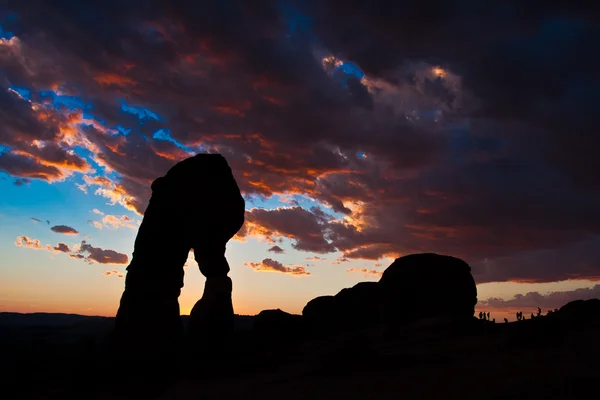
(270, 265)
(82, 251)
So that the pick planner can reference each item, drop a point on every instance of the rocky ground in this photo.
(550, 357)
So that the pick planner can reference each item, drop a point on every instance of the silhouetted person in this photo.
(518, 316)
(494, 320)
(505, 320)
(539, 311)
(196, 205)
(532, 316)
(488, 316)
(480, 315)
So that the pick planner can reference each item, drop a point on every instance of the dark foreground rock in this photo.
(580, 310)
(278, 325)
(414, 287)
(533, 359)
(427, 285)
(352, 308)
(196, 205)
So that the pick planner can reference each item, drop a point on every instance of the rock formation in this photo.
(196, 205)
(278, 325)
(579, 311)
(358, 306)
(427, 285)
(351, 309)
(414, 287)
(319, 315)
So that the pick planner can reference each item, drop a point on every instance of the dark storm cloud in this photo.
(28, 167)
(296, 223)
(473, 133)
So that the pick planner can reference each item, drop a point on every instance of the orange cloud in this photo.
(270, 265)
(118, 221)
(227, 110)
(111, 79)
(114, 272)
(29, 167)
(26, 242)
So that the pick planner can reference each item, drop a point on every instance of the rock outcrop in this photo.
(414, 287)
(579, 311)
(351, 309)
(196, 205)
(427, 285)
(319, 315)
(358, 306)
(274, 325)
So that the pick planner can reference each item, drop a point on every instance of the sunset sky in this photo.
(357, 133)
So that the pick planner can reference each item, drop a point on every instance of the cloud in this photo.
(315, 258)
(83, 251)
(65, 230)
(22, 181)
(96, 224)
(118, 221)
(471, 133)
(62, 248)
(533, 300)
(27, 168)
(96, 211)
(102, 256)
(35, 219)
(296, 223)
(276, 250)
(270, 265)
(340, 260)
(366, 272)
(24, 241)
(114, 221)
(115, 273)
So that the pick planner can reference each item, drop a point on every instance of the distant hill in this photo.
(58, 327)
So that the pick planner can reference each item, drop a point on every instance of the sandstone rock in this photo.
(579, 311)
(319, 315)
(196, 205)
(417, 287)
(427, 285)
(276, 324)
(359, 306)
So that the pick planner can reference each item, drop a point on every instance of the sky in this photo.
(357, 133)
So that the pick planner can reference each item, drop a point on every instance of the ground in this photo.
(546, 358)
